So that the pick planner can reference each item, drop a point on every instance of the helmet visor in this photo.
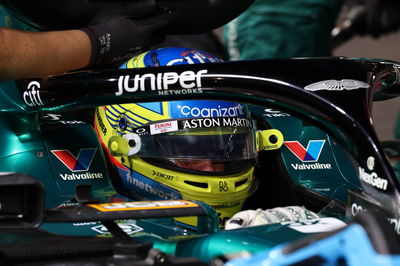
(229, 138)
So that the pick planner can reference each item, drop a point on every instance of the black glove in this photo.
(374, 17)
(382, 16)
(117, 34)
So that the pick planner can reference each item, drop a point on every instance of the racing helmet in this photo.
(187, 149)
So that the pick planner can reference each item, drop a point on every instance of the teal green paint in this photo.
(339, 173)
(8, 20)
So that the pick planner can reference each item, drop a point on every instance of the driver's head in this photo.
(187, 149)
(204, 165)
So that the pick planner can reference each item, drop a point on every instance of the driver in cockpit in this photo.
(203, 150)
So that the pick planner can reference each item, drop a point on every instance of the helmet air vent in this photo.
(241, 182)
(196, 184)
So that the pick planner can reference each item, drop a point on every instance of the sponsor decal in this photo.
(70, 122)
(52, 117)
(226, 206)
(128, 228)
(143, 205)
(32, 95)
(101, 123)
(179, 92)
(163, 127)
(73, 176)
(190, 111)
(221, 210)
(274, 113)
(396, 224)
(356, 209)
(269, 139)
(148, 188)
(217, 122)
(372, 178)
(322, 189)
(141, 130)
(222, 219)
(67, 204)
(315, 166)
(105, 43)
(85, 223)
(56, 118)
(162, 175)
(308, 155)
(223, 186)
(337, 85)
(371, 163)
(193, 57)
(324, 224)
(176, 125)
(161, 82)
(78, 164)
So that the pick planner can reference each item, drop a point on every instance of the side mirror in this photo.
(21, 201)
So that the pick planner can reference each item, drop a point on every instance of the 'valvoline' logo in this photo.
(76, 164)
(309, 154)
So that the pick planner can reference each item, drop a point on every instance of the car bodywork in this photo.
(332, 160)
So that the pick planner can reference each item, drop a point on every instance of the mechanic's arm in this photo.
(112, 38)
(25, 54)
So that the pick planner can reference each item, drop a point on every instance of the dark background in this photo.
(386, 47)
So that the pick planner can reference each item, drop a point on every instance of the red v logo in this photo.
(309, 154)
(76, 164)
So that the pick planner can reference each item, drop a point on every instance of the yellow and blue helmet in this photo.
(188, 149)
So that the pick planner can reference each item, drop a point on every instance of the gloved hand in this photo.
(375, 17)
(270, 216)
(119, 33)
(382, 16)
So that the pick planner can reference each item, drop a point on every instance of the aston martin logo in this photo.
(336, 85)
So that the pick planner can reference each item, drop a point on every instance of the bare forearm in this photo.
(26, 54)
